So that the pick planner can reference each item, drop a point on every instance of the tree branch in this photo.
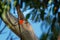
(26, 33)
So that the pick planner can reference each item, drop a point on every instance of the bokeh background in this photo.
(43, 15)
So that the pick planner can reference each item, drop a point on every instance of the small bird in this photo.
(21, 21)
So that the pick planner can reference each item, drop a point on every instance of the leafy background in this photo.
(43, 15)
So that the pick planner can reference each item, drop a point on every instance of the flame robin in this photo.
(21, 22)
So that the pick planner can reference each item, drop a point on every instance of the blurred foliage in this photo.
(27, 16)
(38, 12)
(44, 37)
(59, 17)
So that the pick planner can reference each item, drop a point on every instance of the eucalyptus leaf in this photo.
(27, 16)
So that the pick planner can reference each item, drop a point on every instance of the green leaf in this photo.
(27, 16)
(15, 3)
(42, 14)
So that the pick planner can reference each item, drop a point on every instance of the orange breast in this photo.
(21, 21)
